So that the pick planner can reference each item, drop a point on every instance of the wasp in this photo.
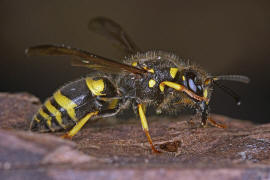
(156, 79)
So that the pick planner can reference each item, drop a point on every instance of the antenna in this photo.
(238, 78)
(230, 92)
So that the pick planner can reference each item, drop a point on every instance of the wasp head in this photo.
(199, 84)
(196, 85)
(199, 87)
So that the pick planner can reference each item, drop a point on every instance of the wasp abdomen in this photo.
(71, 103)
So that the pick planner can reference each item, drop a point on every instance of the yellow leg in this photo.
(182, 88)
(214, 123)
(79, 125)
(145, 127)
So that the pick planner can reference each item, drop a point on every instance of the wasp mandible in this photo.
(153, 78)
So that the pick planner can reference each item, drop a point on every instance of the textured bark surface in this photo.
(120, 151)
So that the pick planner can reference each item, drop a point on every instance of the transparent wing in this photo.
(84, 59)
(113, 31)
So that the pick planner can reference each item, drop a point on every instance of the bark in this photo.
(106, 150)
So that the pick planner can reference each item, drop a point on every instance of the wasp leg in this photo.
(182, 88)
(214, 123)
(203, 123)
(79, 125)
(85, 119)
(145, 127)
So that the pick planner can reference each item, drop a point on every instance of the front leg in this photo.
(181, 88)
(205, 116)
(214, 123)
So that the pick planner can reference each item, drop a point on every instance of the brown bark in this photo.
(105, 150)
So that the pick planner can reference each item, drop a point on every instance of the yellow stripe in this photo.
(55, 112)
(44, 115)
(96, 87)
(66, 103)
(47, 118)
(173, 72)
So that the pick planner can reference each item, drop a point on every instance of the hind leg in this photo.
(79, 125)
(85, 119)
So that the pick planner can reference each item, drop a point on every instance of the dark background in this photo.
(223, 37)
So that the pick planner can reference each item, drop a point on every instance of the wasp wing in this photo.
(113, 31)
(85, 63)
(87, 59)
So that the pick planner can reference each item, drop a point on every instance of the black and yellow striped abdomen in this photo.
(71, 103)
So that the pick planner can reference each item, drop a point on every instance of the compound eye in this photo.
(199, 87)
(192, 85)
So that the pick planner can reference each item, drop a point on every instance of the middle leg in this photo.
(145, 127)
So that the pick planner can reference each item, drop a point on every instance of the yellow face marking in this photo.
(96, 87)
(207, 82)
(55, 112)
(184, 78)
(143, 118)
(134, 64)
(151, 83)
(173, 72)
(47, 117)
(66, 103)
(113, 103)
(205, 93)
(79, 125)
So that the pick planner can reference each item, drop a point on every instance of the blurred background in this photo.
(223, 37)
